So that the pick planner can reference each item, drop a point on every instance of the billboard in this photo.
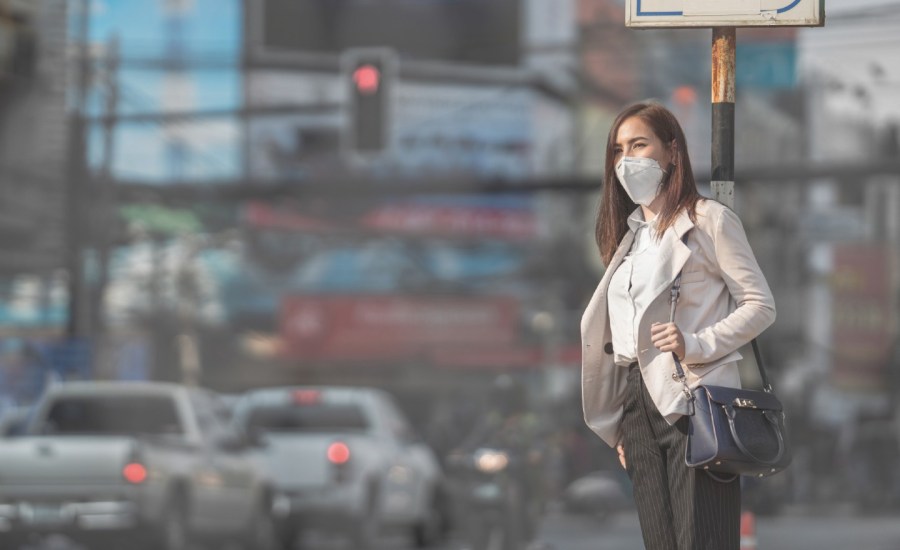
(469, 31)
(862, 316)
(487, 130)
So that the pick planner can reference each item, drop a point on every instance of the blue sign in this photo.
(766, 65)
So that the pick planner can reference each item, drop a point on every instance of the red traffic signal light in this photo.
(369, 74)
(367, 79)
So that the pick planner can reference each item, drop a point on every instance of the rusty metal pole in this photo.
(723, 71)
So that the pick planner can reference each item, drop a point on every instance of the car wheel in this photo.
(365, 532)
(262, 534)
(366, 527)
(288, 534)
(172, 531)
(11, 541)
(430, 528)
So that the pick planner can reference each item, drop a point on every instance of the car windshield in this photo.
(320, 417)
(113, 415)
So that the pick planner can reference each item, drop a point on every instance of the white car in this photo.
(345, 460)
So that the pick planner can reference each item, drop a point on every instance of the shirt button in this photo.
(608, 348)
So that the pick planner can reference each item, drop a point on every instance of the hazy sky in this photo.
(209, 29)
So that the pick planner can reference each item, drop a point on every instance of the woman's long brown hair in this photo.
(678, 187)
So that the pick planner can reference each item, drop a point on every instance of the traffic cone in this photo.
(748, 530)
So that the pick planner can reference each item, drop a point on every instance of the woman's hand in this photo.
(621, 450)
(667, 337)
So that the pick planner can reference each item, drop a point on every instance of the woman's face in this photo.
(636, 139)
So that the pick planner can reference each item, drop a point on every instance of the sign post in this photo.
(723, 16)
(723, 71)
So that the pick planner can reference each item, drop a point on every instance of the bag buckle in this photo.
(746, 403)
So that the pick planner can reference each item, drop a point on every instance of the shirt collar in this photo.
(636, 220)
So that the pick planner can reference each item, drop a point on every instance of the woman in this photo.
(652, 225)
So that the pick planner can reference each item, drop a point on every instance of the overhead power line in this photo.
(361, 186)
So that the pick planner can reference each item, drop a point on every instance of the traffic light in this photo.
(369, 75)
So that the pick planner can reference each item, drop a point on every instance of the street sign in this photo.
(724, 13)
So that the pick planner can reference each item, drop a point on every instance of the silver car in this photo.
(346, 460)
(150, 462)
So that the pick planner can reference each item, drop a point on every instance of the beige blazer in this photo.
(725, 302)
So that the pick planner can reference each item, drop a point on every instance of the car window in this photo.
(319, 417)
(211, 414)
(396, 423)
(113, 415)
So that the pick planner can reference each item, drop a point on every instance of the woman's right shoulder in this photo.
(709, 212)
(710, 208)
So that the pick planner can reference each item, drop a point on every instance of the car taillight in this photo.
(338, 453)
(135, 473)
(306, 397)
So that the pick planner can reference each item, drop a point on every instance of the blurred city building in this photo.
(34, 189)
(33, 159)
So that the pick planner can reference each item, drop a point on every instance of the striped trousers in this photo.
(679, 508)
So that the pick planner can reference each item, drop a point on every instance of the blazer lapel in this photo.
(591, 313)
(673, 254)
(616, 260)
(623, 249)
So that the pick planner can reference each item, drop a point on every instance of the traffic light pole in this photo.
(723, 72)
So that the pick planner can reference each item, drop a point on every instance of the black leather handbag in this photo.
(733, 431)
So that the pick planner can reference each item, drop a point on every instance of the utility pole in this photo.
(723, 74)
(77, 175)
(105, 220)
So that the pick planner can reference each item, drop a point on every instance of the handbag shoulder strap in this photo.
(767, 386)
(679, 371)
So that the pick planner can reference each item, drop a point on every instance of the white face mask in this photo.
(640, 177)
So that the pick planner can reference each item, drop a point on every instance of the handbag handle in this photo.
(679, 371)
(729, 412)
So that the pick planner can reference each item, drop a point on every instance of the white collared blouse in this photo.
(629, 289)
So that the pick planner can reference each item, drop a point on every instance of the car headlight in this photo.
(400, 475)
(491, 461)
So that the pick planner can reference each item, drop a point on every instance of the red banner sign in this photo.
(419, 219)
(862, 316)
(385, 328)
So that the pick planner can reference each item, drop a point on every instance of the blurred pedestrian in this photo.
(652, 225)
